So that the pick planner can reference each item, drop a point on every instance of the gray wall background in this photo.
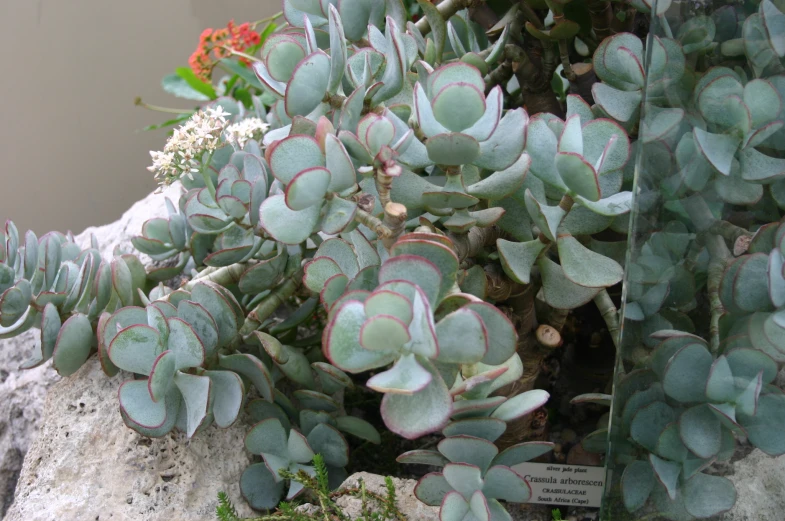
(72, 153)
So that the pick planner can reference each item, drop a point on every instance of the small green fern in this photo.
(375, 507)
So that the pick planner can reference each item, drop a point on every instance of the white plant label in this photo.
(554, 484)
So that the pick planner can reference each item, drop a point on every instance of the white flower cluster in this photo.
(249, 128)
(183, 152)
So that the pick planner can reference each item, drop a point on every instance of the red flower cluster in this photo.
(212, 43)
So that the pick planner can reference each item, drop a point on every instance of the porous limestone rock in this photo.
(86, 464)
(408, 504)
(760, 488)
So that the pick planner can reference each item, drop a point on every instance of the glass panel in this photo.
(703, 331)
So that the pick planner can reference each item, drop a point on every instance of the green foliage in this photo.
(374, 507)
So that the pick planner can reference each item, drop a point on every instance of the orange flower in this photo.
(213, 44)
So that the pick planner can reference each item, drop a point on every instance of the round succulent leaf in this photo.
(621, 105)
(315, 400)
(286, 225)
(50, 328)
(260, 410)
(268, 437)
(260, 488)
(307, 188)
(482, 407)
(579, 176)
(73, 344)
(466, 479)
(298, 448)
(506, 144)
(486, 428)
(196, 391)
(291, 155)
(504, 483)
(426, 411)
(559, 291)
(442, 256)
(161, 375)
(502, 337)
(337, 161)
(415, 269)
(718, 149)
(202, 322)
(700, 430)
(747, 401)
(338, 215)
(518, 258)
(459, 94)
(263, 275)
(747, 363)
(310, 419)
(333, 289)
(468, 449)
(522, 452)
(222, 306)
(432, 488)
(706, 496)
(308, 84)
(406, 377)
(720, 385)
(326, 440)
(605, 145)
(384, 333)
(386, 302)
(585, 267)
(454, 508)
(183, 342)
(135, 348)
(252, 368)
(424, 112)
(342, 340)
(504, 182)
(521, 405)
(649, 422)
(670, 445)
(462, 337)
(139, 409)
(668, 347)
(14, 302)
(667, 472)
(748, 285)
(452, 149)
(637, 482)
(641, 399)
(764, 429)
(686, 374)
(359, 428)
(229, 395)
(485, 126)
(342, 253)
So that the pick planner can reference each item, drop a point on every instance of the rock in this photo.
(760, 488)
(578, 456)
(86, 459)
(87, 465)
(408, 504)
(22, 396)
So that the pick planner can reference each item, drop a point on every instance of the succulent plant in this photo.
(474, 476)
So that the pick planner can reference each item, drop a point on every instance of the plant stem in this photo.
(610, 314)
(395, 215)
(240, 54)
(372, 222)
(139, 103)
(208, 181)
(447, 9)
(273, 301)
(224, 276)
(704, 222)
(269, 19)
(564, 52)
(473, 242)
